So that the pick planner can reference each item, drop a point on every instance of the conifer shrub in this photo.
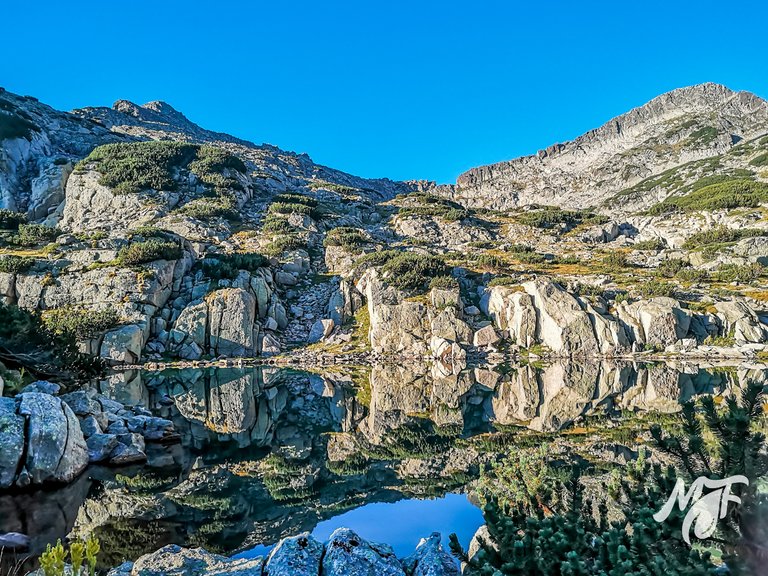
(148, 251)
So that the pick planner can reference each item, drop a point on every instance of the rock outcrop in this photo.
(345, 554)
(47, 439)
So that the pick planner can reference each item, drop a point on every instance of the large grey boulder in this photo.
(124, 344)
(11, 441)
(447, 325)
(320, 330)
(192, 323)
(344, 302)
(562, 325)
(742, 322)
(173, 560)
(347, 554)
(297, 556)
(511, 310)
(56, 449)
(232, 322)
(657, 322)
(430, 559)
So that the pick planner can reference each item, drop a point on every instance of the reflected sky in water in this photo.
(401, 524)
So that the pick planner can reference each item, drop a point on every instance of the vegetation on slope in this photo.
(727, 194)
(137, 166)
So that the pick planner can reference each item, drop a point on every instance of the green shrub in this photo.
(27, 342)
(761, 160)
(615, 260)
(433, 206)
(702, 136)
(519, 248)
(287, 243)
(275, 224)
(485, 260)
(33, 234)
(138, 166)
(205, 208)
(227, 266)
(650, 245)
(732, 193)
(94, 236)
(443, 282)
(411, 271)
(10, 220)
(550, 216)
(291, 208)
(15, 264)
(692, 275)
(529, 258)
(293, 198)
(671, 267)
(504, 281)
(148, 251)
(375, 259)
(745, 273)
(14, 126)
(347, 237)
(651, 288)
(721, 235)
(80, 322)
(210, 164)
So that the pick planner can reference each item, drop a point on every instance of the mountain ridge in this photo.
(642, 142)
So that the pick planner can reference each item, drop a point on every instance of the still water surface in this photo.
(391, 451)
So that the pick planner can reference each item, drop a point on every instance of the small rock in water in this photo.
(14, 541)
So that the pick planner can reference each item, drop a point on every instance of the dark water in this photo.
(391, 451)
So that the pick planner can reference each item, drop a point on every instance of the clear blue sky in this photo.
(398, 89)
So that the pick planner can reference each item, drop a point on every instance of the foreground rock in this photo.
(345, 554)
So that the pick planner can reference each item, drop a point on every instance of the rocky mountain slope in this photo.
(682, 127)
(146, 237)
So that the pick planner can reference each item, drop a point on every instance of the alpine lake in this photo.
(394, 452)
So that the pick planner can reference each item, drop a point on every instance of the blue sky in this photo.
(398, 89)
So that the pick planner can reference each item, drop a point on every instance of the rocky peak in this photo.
(155, 111)
(686, 124)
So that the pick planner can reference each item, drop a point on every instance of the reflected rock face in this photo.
(258, 441)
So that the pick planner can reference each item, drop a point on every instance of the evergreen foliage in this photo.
(578, 540)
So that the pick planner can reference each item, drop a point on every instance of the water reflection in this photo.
(267, 452)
